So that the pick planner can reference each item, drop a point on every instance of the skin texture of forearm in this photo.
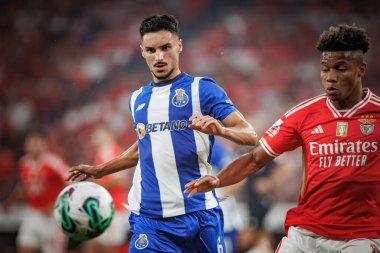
(243, 136)
(237, 170)
(126, 160)
(243, 166)
(238, 130)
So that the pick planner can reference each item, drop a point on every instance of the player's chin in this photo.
(161, 74)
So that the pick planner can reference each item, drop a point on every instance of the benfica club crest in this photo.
(367, 127)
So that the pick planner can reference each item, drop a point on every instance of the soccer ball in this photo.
(83, 210)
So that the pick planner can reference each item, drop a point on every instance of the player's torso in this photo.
(161, 119)
(339, 196)
(170, 153)
(40, 180)
(342, 147)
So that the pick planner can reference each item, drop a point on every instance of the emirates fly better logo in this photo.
(353, 153)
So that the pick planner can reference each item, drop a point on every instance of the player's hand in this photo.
(203, 184)
(206, 124)
(82, 172)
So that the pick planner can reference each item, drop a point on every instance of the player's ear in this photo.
(180, 46)
(362, 69)
(142, 51)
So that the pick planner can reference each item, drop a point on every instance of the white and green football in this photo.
(84, 210)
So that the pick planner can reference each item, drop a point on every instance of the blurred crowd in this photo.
(72, 65)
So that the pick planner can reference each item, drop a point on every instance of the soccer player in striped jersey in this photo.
(176, 117)
(339, 200)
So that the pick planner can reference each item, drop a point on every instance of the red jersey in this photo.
(118, 192)
(42, 179)
(339, 195)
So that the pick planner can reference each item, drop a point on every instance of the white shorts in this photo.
(300, 240)
(116, 233)
(41, 232)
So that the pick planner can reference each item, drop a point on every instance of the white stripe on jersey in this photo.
(375, 100)
(304, 104)
(375, 97)
(134, 195)
(165, 165)
(359, 105)
(267, 148)
(133, 100)
(202, 143)
(334, 111)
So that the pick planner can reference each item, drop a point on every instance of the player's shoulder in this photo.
(307, 106)
(374, 99)
(54, 161)
(23, 161)
(207, 79)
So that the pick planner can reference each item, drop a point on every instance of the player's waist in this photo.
(342, 226)
(159, 211)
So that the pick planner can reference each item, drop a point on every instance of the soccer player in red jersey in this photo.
(339, 199)
(114, 238)
(42, 177)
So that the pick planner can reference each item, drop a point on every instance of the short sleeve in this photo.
(214, 100)
(281, 137)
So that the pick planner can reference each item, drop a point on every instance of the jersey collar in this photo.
(354, 109)
(175, 79)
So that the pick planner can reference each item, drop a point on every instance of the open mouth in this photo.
(332, 91)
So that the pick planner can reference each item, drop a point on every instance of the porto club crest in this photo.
(180, 98)
(142, 242)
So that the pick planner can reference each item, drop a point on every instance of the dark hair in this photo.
(343, 38)
(37, 130)
(158, 23)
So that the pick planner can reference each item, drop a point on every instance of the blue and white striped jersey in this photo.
(170, 153)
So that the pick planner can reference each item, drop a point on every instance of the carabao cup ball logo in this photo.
(140, 129)
(180, 98)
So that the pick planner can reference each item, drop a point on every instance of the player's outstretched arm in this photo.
(236, 171)
(126, 160)
(234, 127)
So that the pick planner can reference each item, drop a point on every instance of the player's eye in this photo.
(341, 68)
(324, 69)
(166, 47)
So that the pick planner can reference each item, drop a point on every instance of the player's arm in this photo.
(124, 161)
(236, 171)
(16, 194)
(234, 127)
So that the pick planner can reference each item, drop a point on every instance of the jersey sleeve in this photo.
(57, 165)
(214, 100)
(281, 137)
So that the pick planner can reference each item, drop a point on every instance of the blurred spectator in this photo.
(42, 177)
(118, 185)
(233, 222)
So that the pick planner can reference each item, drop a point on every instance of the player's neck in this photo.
(351, 101)
(172, 79)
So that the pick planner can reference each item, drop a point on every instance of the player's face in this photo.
(35, 145)
(341, 74)
(161, 51)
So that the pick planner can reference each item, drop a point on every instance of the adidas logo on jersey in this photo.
(318, 130)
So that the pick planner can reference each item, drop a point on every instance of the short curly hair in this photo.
(158, 23)
(343, 38)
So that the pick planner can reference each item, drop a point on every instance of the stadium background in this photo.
(72, 64)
